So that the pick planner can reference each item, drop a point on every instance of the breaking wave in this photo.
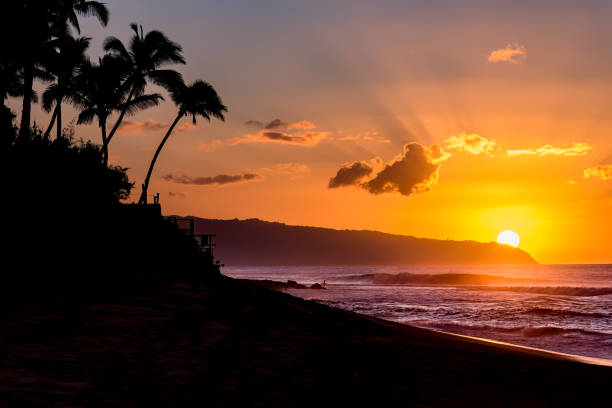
(431, 279)
(543, 311)
(525, 331)
(554, 290)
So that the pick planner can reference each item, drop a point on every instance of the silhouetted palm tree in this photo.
(64, 65)
(100, 91)
(40, 21)
(11, 80)
(69, 10)
(197, 99)
(144, 59)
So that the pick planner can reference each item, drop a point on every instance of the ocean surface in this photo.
(563, 308)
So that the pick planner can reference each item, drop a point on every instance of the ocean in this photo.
(562, 308)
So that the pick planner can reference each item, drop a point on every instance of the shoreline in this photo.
(532, 350)
(227, 342)
(294, 288)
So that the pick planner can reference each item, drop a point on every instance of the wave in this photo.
(544, 311)
(525, 331)
(431, 279)
(554, 290)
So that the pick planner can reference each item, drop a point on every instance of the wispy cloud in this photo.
(136, 128)
(366, 137)
(176, 194)
(149, 125)
(294, 170)
(471, 143)
(575, 149)
(601, 171)
(512, 53)
(220, 179)
(276, 131)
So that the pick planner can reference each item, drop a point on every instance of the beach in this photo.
(561, 308)
(225, 342)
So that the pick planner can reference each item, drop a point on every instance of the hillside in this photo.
(255, 242)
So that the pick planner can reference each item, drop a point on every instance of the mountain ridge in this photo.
(254, 242)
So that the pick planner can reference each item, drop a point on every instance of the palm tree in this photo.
(11, 81)
(144, 58)
(197, 99)
(40, 21)
(64, 65)
(69, 10)
(100, 91)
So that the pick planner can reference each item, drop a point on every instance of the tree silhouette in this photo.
(144, 59)
(64, 65)
(11, 83)
(100, 90)
(40, 22)
(197, 99)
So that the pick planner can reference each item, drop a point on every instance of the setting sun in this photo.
(509, 238)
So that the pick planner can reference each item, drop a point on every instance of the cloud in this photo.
(279, 124)
(255, 123)
(601, 171)
(175, 194)
(415, 170)
(513, 54)
(471, 143)
(304, 124)
(136, 128)
(186, 127)
(576, 149)
(275, 131)
(353, 173)
(220, 179)
(295, 170)
(367, 136)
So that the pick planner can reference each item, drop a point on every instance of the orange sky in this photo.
(353, 84)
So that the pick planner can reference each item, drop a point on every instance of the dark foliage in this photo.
(66, 233)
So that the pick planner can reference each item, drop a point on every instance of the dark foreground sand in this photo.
(231, 343)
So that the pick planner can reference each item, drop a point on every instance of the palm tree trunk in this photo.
(59, 119)
(51, 123)
(28, 82)
(102, 122)
(145, 187)
(121, 115)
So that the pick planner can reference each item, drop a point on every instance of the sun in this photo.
(509, 238)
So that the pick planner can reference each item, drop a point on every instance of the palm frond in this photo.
(142, 102)
(51, 94)
(166, 78)
(86, 116)
(115, 46)
(92, 9)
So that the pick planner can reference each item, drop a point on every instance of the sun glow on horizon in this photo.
(508, 238)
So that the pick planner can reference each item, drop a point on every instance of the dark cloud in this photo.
(178, 195)
(256, 123)
(415, 171)
(275, 124)
(285, 137)
(220, 179)
(350, 174)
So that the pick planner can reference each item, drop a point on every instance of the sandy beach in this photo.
(226, 342)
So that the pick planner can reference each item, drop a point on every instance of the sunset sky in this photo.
(438, 119)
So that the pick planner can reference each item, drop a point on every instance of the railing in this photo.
(205, 242)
